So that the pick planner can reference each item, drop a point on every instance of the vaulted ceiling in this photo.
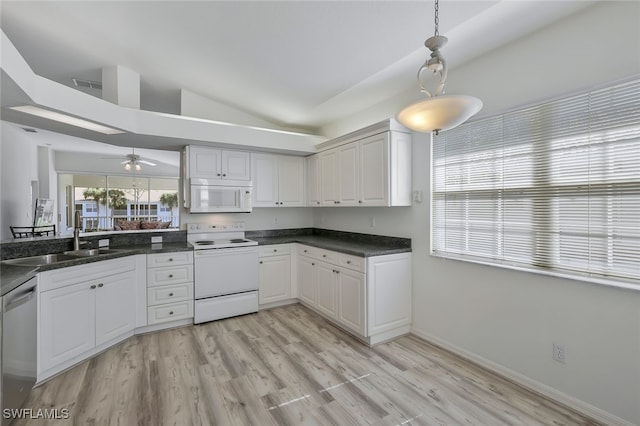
(299, 64)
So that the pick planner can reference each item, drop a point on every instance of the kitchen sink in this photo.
(45, 259)
(89, 252)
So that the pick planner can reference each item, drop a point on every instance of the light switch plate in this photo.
(157, 239)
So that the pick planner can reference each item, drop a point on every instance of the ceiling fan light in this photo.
(439, 113)
(138, 167)
(127, 166)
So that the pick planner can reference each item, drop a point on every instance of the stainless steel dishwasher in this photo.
(19, 344)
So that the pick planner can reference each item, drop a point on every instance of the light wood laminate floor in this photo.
(285, 366)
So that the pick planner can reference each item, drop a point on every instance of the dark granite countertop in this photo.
(11, 276)
(362, 245)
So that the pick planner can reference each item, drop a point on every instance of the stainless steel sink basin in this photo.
(89, 252)
(45, 259)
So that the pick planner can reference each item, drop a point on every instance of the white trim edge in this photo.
(533, 385)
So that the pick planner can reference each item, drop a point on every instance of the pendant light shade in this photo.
(438, 112)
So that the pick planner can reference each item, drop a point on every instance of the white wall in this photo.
(19, 159)
(508, 319)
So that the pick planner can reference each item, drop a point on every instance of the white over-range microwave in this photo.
(219, 196)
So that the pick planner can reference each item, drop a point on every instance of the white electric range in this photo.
(225, 270)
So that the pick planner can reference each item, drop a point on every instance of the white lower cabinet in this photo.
(170, 289)
(370, 297)
(327, 289)
(274, 274)
(82, 308)
(352, 300)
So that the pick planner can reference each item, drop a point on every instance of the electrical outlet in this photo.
(559, 353)
(155, 240)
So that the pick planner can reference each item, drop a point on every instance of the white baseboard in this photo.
(527, 382)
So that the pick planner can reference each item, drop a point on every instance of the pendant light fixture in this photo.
(439, 111)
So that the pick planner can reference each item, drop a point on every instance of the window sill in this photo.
(627, 285)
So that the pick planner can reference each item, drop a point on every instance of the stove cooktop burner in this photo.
(204, 242)
(237, 240)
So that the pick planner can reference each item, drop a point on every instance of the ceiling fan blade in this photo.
(148, 163)
(125, 161)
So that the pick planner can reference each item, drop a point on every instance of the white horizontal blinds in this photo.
(554, 186)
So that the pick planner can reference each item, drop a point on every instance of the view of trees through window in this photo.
(124, 203)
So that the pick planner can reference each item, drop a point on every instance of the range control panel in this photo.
(215, 227)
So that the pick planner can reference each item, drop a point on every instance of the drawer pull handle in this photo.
(224, 175)
(305, 251)
(93, 287)
(218, 174)
(170, 275)
(170, 294)
(261, 262)
(100, 285)
(313, 264)
(275, 249)
(171, 259)
(348, 262)
(171, 313)
(324, 255)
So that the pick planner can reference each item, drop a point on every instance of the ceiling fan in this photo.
(134, 161)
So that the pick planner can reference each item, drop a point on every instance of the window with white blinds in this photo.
(554, 186)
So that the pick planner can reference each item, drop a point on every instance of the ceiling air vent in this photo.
(87, 83)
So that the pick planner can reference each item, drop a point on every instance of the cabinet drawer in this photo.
(274, 250)
(57, 278)
(169, 259)
(169, 275)
(328, 256)
(169, 312)
(307, 251)
(169, 293)
(351, 262)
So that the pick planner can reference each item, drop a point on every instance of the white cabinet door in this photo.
(352, 300)
(264, 169)
(329, 178)
(326, 289)
(204, 163)
(348, 174)
(313, 180)
(236, 165)
(307, 280)
(374, 170)
(115, 306)
(275, 279)
(67, 324)
(388, 292)
(291, 181)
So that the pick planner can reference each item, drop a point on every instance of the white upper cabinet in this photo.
(371, 171)
(278, 180)
(329, 177)
(313, 180)
(212, 163)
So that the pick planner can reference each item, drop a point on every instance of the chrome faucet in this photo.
(76, 231)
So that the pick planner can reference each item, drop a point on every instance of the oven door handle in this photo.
(226, 250)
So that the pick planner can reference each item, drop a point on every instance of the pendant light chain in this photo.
(436, 20)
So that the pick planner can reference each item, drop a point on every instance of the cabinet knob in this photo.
(93, 287)
(261, 262)
(337, 272)
(337, 202)
(275, 249)
(100, 285)
(170, 275)
(218, 174)
(171, 313)
(276, 203)
(348, 262)
(305, 251)
(313, 264)
(171, 259)
(324, 255)
(317, 202)
(170, 294)
(224, 175)
(360, 201)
